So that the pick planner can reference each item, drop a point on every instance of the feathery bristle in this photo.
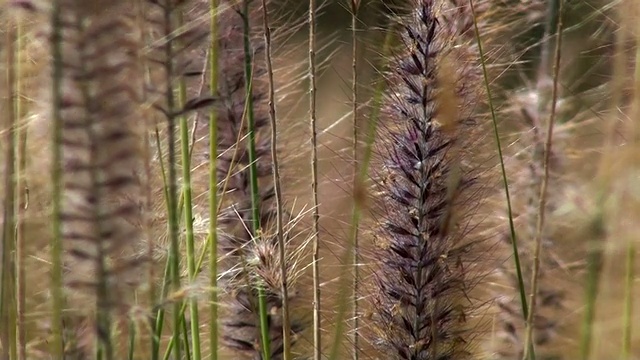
(241, 330)
(428, 189)
(251, 256)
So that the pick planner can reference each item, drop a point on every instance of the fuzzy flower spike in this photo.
(428, 188)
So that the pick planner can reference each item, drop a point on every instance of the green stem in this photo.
(157, 323)
(174, 254)
(56, 175)
(159, 319)
(132, 340)
(22, 203)
(253, 174)
(594, 268)
(516, 256)
(628, 300)
(8, 304)
(213, 185)
(188, 211)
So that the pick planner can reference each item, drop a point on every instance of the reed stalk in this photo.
(213, 183)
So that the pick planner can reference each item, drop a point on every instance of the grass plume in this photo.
(324, 186)
(425, 186)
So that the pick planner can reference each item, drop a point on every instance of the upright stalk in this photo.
(496, 133)
(188, 210)
(317, 337)
(631, 245)
(286, 321)
(213, 184)
(253, 174)
(22, 192)
(172, 202)
(57, 349)
(529, 345)
(357, 198)
(8, 304)
(628, 300)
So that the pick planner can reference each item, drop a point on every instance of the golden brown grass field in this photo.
(326, 180)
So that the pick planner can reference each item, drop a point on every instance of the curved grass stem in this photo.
(286, 322)
(516, 256)
(253, 174)
(529, 345)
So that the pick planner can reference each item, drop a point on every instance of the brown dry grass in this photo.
(593, 187)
